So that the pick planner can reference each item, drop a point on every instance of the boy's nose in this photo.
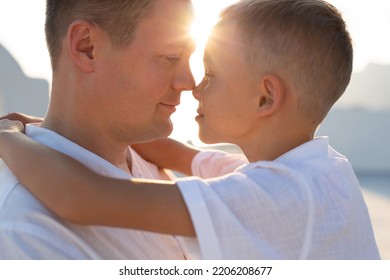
(198, 90)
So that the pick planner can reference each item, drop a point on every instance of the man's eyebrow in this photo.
(188, 45)
(191, 46)
(207, 58)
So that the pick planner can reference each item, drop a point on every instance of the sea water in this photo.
(376, 182)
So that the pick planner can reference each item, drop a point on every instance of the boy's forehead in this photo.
(225, 33)
(223, 41)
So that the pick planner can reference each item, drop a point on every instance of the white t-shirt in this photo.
(307, 204)
(28, 230)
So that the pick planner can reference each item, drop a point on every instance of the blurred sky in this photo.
(21, 33)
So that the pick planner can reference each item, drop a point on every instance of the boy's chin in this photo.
(208, 139)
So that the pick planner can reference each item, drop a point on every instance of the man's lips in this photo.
(170, 106)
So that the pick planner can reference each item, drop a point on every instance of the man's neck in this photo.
(90, 138)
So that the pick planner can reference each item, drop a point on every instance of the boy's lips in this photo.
(200, 115)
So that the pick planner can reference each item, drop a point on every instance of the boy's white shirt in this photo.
(28, 230)
(307, 204)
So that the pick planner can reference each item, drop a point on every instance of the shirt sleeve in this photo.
(213, 163)
(236, 217)
(29, 231)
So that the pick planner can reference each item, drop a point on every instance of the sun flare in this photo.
(202, 26)
(207, 13)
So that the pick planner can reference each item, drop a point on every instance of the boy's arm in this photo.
(168, 153)
(23, 118)
(77, 194)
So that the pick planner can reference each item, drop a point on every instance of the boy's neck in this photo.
(271, 144)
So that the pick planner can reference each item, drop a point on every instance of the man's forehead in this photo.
(184, 42)
(175, 15)
(169, 30)
(176, 10)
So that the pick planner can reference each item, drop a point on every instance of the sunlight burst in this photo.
(207, 13)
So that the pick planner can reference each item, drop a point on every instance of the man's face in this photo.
(227, 95)
(141, 84)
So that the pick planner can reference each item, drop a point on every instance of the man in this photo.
(118, 70)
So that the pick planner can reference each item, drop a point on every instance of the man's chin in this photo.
(164, 130)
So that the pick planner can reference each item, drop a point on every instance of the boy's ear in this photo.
(271, 95)
(81, 44)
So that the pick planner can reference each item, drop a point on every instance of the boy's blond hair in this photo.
(305, 42)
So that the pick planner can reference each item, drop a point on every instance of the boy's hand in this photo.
(24, 119)
(11, 126)
(8, 128)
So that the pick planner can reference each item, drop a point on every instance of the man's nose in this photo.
(184, 80)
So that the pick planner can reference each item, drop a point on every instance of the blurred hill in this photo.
(19, 93)
(362, 135)
(359, 124)
(369, 88)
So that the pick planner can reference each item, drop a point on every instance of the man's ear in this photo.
(271, 95)
(81, 44)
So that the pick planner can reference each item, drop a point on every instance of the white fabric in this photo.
(28, 230)
(214, 163)
(307, 204)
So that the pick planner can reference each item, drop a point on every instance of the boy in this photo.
(274, 68)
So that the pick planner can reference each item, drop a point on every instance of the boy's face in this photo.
(227, 95)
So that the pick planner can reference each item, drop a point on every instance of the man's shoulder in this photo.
(6, 176)
(64, 145)
(15, 200)
(27, 228)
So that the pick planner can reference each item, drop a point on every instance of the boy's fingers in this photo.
(6, 124)
(25, 119)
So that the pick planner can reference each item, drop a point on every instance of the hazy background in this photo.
(359, 125)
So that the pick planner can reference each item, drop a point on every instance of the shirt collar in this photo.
(57, 142)
(316, 148)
